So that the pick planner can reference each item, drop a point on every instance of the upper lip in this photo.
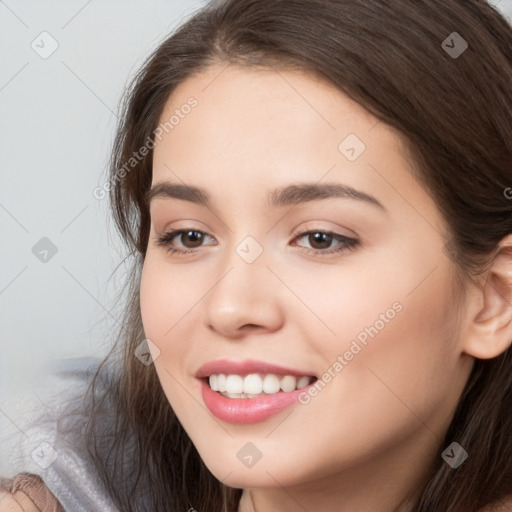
(245, 368)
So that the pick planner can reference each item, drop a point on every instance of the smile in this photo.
(250, 391)
(256, 384)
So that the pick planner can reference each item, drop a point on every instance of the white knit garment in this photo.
(61, 460)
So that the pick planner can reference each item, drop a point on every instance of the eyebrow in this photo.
(284, 196)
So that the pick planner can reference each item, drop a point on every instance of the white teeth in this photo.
(221, 382)
(288, 383)
(253, 384)
(271, 384)
(302, 382)
(234, 384)
(233, 395)
(240, 395)
(256, 384)
(213, 382)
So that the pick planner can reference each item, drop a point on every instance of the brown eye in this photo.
(196, 238)
(319, 240)
(189, 240)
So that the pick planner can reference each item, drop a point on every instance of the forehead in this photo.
(251, 127)
(276, 105)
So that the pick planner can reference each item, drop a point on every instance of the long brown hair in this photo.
(455, 115)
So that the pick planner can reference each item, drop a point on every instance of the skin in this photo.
(367, 441)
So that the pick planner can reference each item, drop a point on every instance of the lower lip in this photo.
(247, 410)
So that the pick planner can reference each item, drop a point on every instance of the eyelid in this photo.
(348, 243)
(171, 233)
(308, 227)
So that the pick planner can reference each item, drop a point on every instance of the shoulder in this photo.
(27, 492)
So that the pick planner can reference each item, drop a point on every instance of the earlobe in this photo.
(490, 331)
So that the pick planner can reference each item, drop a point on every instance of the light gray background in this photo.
(57, 117)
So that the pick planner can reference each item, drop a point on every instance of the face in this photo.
(345, 296)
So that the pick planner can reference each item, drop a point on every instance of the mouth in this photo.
(256, 385)
(250, 391)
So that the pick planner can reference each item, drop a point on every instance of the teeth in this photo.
(289, 383)
(271, 384)
(256, 384)
(240, 395)
(234, 384)
(302, 382)
(253, 384)
(214, 382)
(221, 382)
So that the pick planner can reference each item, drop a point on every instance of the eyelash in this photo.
(349, 244)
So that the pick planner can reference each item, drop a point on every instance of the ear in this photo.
(489, 332)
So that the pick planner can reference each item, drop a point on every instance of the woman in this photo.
(317, 196)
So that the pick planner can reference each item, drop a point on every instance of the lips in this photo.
(234, 405)
(246, 367)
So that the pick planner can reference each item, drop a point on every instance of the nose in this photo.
(246, 298)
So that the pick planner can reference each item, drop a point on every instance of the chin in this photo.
(265, 473)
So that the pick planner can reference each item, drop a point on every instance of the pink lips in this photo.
(246, 410)
(245, 368)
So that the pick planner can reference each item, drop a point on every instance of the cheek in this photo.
(395, 385)
(164, 305)
(164, 299)
(401, 367)
(396, 304)
(160, 314)
(152, 300)
(396, 333)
